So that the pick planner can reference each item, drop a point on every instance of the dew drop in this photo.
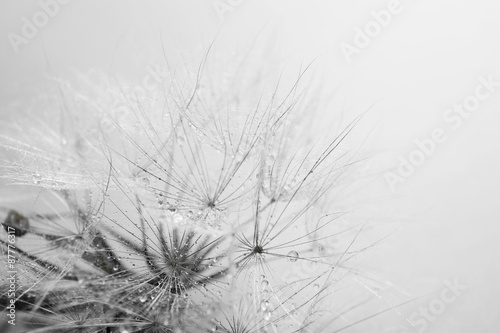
(267, 315)
(37, 178)
(293, 256)
(264, 305)
(145, 181)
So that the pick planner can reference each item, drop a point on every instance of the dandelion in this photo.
(189, 209)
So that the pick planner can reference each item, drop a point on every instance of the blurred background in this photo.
(424, 57)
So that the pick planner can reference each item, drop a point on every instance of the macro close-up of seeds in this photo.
(249, 166)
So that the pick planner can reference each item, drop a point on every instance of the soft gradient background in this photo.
(424, 61)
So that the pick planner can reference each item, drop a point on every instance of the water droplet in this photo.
(264, 305)
(267, 315)
(145, 181)
(316, 287)
(37, 178)
(293, 256)
(264, 284)
(142, 299)
(177, 218)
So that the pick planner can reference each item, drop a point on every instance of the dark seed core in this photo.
(258, 249)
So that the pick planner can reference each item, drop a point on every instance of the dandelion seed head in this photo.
(258, 250)
(183, 206)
